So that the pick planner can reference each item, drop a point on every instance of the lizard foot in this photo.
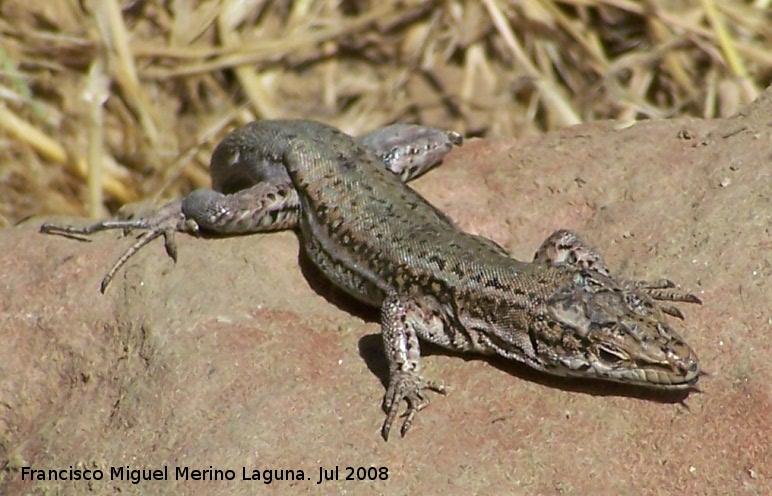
(662, 290)
(165, 221)
(564, 247)
(411, 388)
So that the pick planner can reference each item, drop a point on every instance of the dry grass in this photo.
(104, 102)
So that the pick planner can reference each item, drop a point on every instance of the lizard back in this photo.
(370, 233)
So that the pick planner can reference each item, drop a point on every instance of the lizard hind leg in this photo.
(410, 150)
(266, 206)
(262, 207)
(165, 221)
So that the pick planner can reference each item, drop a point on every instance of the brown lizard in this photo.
(382, 243)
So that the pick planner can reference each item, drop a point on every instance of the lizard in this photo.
(383, 244)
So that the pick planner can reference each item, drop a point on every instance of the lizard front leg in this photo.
(563, 247)
(400, 318)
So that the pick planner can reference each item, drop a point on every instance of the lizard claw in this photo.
(165, 221)
(662, 291)
(411, 388)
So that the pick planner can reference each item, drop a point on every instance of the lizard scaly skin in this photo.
(382, 243)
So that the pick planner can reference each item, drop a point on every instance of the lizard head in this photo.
(599, 327)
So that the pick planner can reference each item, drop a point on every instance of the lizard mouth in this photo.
(658, 378)
(673, 367)
(674, 373)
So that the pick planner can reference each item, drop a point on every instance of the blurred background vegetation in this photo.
(104, 102)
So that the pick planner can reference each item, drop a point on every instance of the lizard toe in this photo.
(412, 389)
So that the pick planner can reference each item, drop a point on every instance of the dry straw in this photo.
(104, 102)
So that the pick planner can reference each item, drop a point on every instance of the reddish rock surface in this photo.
(232, 358)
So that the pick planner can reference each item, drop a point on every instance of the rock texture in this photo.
(235, 358)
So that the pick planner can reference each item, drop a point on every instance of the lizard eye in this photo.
(609, 356)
